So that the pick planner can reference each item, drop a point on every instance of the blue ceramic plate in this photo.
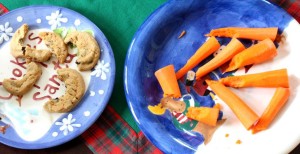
(30, 126)
(156, 45)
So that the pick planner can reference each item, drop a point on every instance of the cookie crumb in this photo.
(226, 135)
(23, 49)
(238, 142)
(182, 34)
(3, 129)
(280, 38)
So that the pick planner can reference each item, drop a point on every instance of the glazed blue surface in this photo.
(95, 105)
(156, 45)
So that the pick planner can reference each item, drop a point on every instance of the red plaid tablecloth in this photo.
(111, 134)
(291, 6)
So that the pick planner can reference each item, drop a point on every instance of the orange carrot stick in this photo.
(258, 53)
(167, 79)
(244, 113)
(275, 78)
(278, 100)
(205, 115)
(204, 51)
(246, 33)
(232, 48)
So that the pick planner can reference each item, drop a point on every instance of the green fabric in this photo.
(118, 20)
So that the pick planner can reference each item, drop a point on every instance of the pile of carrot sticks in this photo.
(238, 56)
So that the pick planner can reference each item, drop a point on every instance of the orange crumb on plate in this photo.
(218, 106)
(182, 34)
(226, 135)
(238, 142)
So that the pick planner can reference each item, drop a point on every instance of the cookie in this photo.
(16, 44)
(22, 86)
(56, 45)
(75, 89)
(88, 49)
(32, 54)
